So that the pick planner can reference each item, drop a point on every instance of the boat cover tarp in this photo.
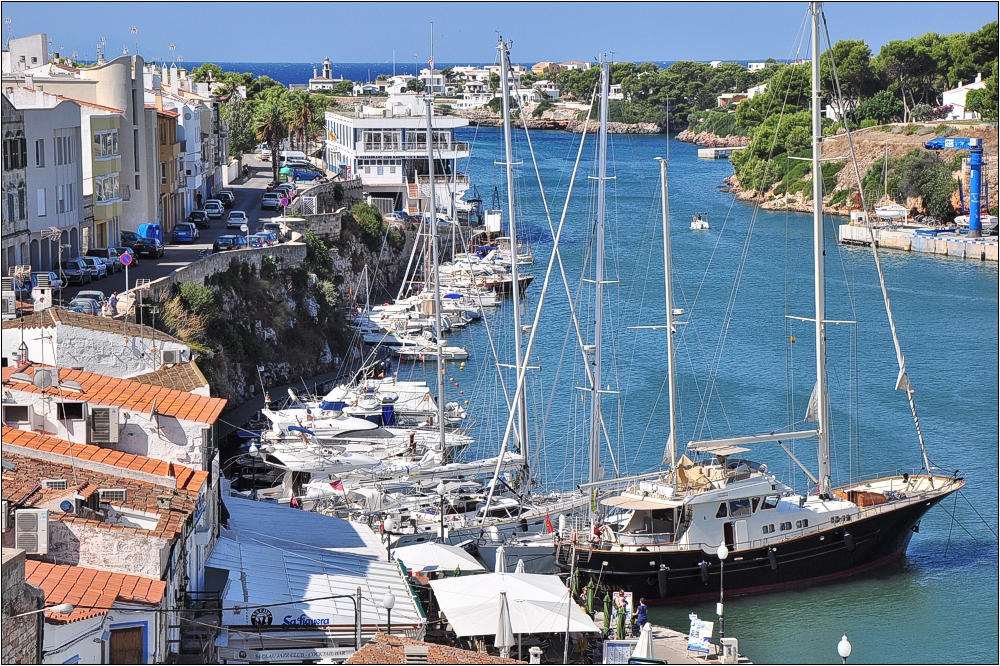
(537, 604)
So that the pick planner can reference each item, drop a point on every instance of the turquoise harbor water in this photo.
(940, 603)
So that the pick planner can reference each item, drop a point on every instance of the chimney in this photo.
(29, 81)
(415, 654)
(158, 96)
(163, 502)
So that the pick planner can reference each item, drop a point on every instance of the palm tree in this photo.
(270, 126)
(301, 115)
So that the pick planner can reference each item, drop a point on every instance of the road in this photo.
(248, 195)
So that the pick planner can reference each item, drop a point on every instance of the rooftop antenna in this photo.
(7, 22)
(134, 31)
(172, 48)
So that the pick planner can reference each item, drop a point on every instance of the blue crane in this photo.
(975, 148)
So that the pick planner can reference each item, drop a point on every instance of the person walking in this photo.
(113, 304)
(640, 613)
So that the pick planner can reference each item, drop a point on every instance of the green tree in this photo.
(239, 116)
(299, 113)
(260, 85)
(344, 88)
(883, 106)
(415, 85)
(270, 125)
(857, 77)
(200, 74)
(984, 100)
(494, 83)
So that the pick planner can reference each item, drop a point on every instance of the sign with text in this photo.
(290, 655)
(700, 636)
(618, 652)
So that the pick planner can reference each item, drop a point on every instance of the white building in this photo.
(387, 148)
(120, 414)
(715, 63)
(575, 64)
(94, 344)
(756, 90)
(546, 88)
(326, 82)
(757, 66)
(53, 176)
(23, 53)
(956, 98)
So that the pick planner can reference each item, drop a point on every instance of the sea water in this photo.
(739, 372)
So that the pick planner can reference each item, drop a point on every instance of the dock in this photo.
(671, 646)
(718, 153)
(922, 240)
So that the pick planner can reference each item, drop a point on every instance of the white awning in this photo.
(434, 556)
(537, 603)
(720, 449)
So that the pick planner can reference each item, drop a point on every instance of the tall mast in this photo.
(822, 411)
(602, 170)
(521, 406)
(671, 451)
(439, 365)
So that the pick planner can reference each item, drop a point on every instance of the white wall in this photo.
(75, 642)
(93, 351)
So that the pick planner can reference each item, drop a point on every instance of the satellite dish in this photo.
(45, 378)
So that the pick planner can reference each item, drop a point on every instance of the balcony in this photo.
(411, 147)
(460, 180)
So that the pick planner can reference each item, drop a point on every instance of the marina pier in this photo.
(922, 240)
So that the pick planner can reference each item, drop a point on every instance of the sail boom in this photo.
(705, 444)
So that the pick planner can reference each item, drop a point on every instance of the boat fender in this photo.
(524, 525)
(849, 541)
(661, 576)
(772, 555)
(704, 572)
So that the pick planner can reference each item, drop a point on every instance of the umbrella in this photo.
(644, 648)
(620, 627)
(607, 612)
(520, 566)
(591, 588)
(435, 556)
(501, 563)
(505, 631)
(536, 602)
(574, 583)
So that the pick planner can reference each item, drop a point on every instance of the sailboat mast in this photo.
(671, 452)
(819, 253)
(521, 406)
(602, 171)
(439, 364)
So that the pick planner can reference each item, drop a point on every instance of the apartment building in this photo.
(15, 190)
(172, 179)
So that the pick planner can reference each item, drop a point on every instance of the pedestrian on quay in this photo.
(113, 304)
(640, 613)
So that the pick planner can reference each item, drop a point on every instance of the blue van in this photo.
(151, 230)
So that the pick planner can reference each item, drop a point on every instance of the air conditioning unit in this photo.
(31, 531)
(103, 425)
(3, 515)
(172, 356)
(9, 304)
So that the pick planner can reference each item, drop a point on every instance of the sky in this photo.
(467, 31)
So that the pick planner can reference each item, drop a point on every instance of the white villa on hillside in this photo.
(956, 97)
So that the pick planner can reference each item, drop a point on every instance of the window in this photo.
(106, 144)
(163, 173)
(799, 524)
(106, 188)
(767, 529)
(72, 411)
(136, 181)
(785, 526)
(770, 502)
(112, 495)
(755, 502)
(39, 152)
(740, 507)
(40, 195)
(22, 202)
(721, 513)
(14, 414)
(11, 206)
(60, 197)
(64, 150)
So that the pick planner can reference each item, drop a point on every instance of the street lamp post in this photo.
(844, 648)
(389, 600)
(61, 609)
(723, 553)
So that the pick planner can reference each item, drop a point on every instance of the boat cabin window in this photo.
(799, 524)
(786, 526)
(740, 507)
(755, 502)
(767, 529)
(721, 513)
(771, 502)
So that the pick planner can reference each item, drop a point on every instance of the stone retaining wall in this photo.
(21, 636)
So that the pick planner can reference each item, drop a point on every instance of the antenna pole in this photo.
(819, 254)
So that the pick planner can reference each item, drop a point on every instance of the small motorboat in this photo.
(699, 221)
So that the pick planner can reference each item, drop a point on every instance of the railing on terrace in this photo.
(459, 179)
(414, 146)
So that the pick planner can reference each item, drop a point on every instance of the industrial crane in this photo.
(975, 148)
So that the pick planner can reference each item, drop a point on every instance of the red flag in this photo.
(548, 524)
(337, 485)
(294, 502)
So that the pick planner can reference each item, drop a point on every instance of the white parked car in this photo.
(237, 218)
(214, 209)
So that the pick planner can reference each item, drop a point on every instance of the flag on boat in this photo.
(337, 485)
(548, 524)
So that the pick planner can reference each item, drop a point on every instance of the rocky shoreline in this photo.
(486, 119)
(709, 140)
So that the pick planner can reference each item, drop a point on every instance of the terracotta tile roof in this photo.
(128, 394)
(81, 102)
(21, 486)
(187, 479)
(84, 588)
(168, 113)
(384, 649)
(49, 317)
(182, 377)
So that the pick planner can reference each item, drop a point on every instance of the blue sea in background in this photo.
(939, 604)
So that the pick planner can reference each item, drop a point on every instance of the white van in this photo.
(293, 157)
